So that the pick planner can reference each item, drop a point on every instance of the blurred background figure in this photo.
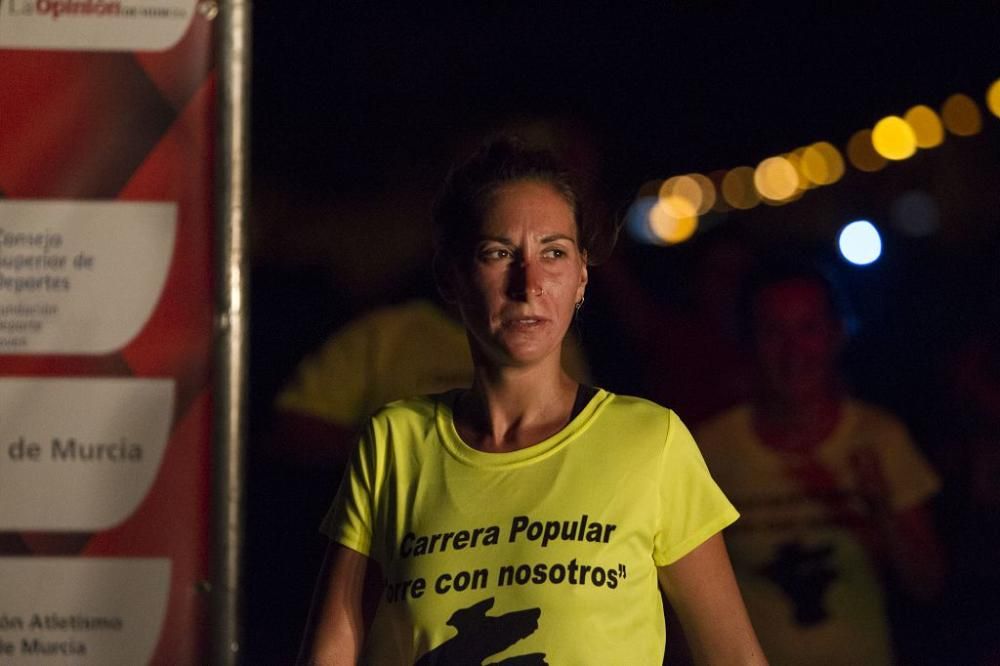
(832, 491)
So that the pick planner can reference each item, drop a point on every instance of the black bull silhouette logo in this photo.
(481, 635)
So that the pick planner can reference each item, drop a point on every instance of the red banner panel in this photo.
(106, 326)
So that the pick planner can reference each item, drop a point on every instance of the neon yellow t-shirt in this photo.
(550, 550)
(811, 586)
(390, 353)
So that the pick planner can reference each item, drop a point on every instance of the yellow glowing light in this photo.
(795, 159)
(738, 189)
(834, 161)
(708, 195)
(681, 195)
(795, 196)
(961, 116)
(776, 179)
(926, 124)
(861, 152)
(669, 229)
(822, 163)
(993, 98)
(893, 138)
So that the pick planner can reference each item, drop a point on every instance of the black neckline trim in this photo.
(584, 394)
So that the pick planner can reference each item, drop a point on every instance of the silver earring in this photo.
(579, 303)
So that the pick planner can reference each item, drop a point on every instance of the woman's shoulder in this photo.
(402, 424)
(633, 412)
(636, 404)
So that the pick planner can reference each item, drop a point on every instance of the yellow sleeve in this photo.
(332, 384)
(351, 517)
(692, 505)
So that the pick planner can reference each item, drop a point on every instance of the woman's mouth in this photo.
(523, 322)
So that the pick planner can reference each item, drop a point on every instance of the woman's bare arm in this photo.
(336, 625)
(702, 589)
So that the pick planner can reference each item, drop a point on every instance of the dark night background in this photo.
(344, 89)
(358, 108)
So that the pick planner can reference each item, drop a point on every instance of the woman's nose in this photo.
(526, 280)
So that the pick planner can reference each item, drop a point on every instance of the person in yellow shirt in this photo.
(525, 518)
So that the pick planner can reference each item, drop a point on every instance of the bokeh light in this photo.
(738, 189)
(915, 213)
(681, 196)
(860, 243)
(637, 220)
(822, 164)
(776, 179)
(861, 152)
(668, 228)
(993, 98)
(893, 138)
(680, 201)
(961, 116)
(926, 124)
(796, 195)
(795, 159)
(708, 193)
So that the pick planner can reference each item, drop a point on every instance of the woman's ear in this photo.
(582, 287)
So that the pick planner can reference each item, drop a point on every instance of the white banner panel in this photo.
(80, 277)
(79, 455)
(81, 611)
(94, 25)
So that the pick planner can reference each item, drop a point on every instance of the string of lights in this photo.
(667, 212)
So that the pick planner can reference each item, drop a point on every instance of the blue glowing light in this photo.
(859, 243)
(637, 221)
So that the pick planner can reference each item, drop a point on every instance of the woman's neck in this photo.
(513, 408)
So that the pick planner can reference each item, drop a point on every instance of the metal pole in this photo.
(233, 30)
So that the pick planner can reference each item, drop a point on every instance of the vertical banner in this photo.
(106, 330)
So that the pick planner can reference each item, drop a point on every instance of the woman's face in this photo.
(526, 274)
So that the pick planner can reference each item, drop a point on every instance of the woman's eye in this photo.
(555, 253)
(496, 253)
